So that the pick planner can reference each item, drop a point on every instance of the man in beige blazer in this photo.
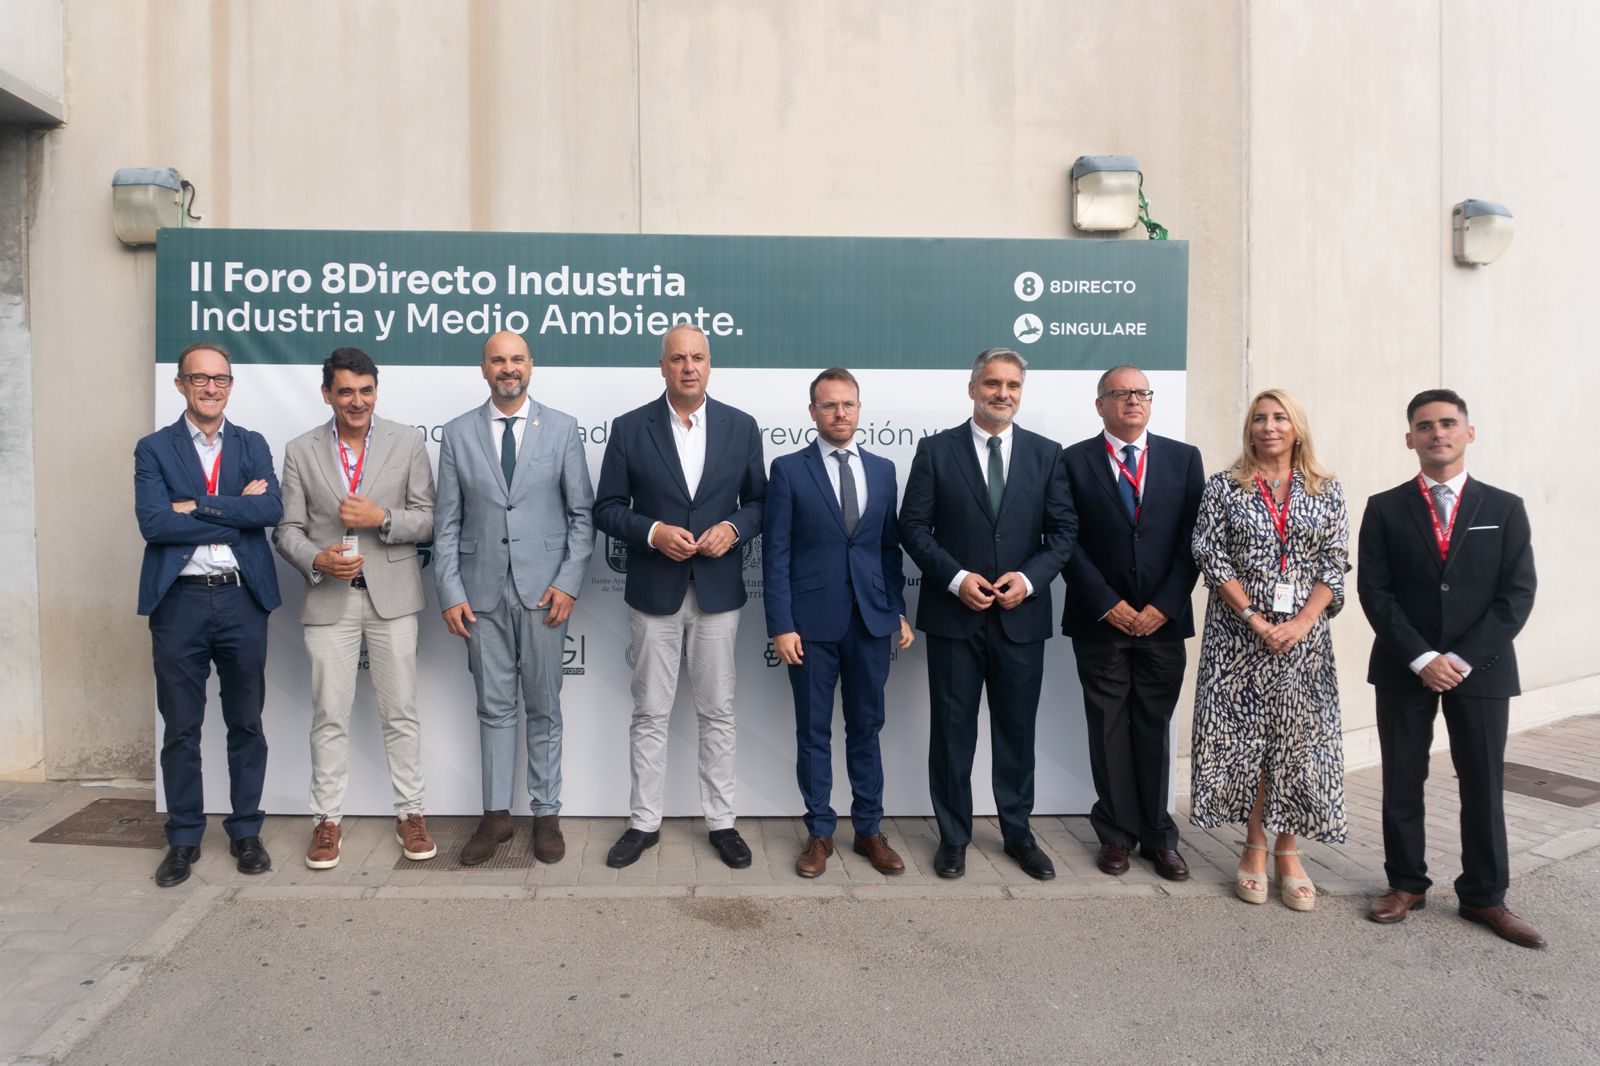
(357, 498)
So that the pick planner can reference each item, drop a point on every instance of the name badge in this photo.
(1283, 598)
(353, 542)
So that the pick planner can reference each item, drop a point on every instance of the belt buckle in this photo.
(221, 580)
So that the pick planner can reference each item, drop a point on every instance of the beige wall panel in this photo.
(1343, 261)
(1519, 89)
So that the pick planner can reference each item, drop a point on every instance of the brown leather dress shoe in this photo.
(1506, 926)
(878, 852)
(1170, 864)
(494, 829)
(1394, 905)
(813, 857)
(1113, 859)
(548, 843)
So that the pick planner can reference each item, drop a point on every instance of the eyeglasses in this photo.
(847, 406)
(200, 381)
(1122, 394)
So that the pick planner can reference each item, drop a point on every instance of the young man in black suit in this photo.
(988, 519)
(1127, 611)
(1446, 579)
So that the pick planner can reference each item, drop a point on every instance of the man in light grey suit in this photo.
(511, 548)
(357, 498)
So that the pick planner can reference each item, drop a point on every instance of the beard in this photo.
(510, 390)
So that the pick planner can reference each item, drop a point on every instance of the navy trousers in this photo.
(192, 627)
(959, 672)
(859, 664)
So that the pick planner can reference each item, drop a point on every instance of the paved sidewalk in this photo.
(79, 926)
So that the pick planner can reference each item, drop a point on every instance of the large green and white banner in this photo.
(906, 315)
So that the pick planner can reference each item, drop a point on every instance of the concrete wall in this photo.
(1367, 122)
(1265, 131)
(32, 62)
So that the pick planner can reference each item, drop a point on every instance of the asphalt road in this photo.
(1189, 980)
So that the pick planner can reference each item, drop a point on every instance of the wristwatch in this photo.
(1248, 613)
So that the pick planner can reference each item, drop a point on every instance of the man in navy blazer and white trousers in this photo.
(681, 485)
(1127, 611)
(834, 591)
(205, 493)
(988, 518)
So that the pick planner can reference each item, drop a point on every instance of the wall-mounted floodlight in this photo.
(145, 199)
(1105, 193)
(1483, 231)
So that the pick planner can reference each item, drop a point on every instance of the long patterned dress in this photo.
(1254, 710)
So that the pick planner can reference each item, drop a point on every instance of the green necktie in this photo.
(508, 449)
(997, 476)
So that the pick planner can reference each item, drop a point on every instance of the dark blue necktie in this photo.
(508, 449)
(1130, 460)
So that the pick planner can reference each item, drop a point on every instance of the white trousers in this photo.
(660, 642)
(335, 652)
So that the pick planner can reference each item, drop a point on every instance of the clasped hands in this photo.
(977, 593)
(1441, 674)
(1136, 623)
(678, 544)
(1280, 638)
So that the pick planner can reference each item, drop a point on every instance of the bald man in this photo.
(513, 531)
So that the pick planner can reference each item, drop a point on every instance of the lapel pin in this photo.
(536, 421)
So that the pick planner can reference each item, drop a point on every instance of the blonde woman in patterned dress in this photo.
(1267, 748)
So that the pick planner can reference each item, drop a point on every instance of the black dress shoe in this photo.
(174, 869)
(250, 855)
(950, 860)
(731, 847)
(629, 846)
(1031, 857)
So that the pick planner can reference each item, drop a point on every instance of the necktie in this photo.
(1444, 501)
(1130, 460)
(997, 476)
(508, 449)
(847, 493)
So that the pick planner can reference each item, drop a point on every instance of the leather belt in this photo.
(212, 581)
(359, 581)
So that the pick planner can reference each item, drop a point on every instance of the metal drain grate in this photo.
(113, 823)
(451, 832)
(1548, 785)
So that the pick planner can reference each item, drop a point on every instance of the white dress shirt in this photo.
(1455, 485)
(1139, 446)
(497, 426)
(831, 464)
(980, 444)
(691, 442)
(208, 558)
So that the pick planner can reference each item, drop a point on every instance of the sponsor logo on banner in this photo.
(616, 554)
(424, 553)
(630, 655)
(771, 656)
(574, 654)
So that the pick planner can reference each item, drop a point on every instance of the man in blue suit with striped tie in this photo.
(834, 595)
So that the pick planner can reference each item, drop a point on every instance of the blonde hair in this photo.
(1303, 457)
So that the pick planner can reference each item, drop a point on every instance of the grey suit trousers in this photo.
(511, 647)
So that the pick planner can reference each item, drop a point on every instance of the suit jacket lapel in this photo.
(1022, 461)
(879, 495)
(1417, 506)
(325, 445)
(485, 413)
(661, 433)
(230, 478)
(967, 461)
(188, 459)
(1467, 505)
(380, 451)
(1100, 470)
(814, 464)
(532, 436)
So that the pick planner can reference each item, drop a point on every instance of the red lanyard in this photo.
(1135, 478)
(216, 471)
(1441, 534)
(1280, 519)
(353, 474)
